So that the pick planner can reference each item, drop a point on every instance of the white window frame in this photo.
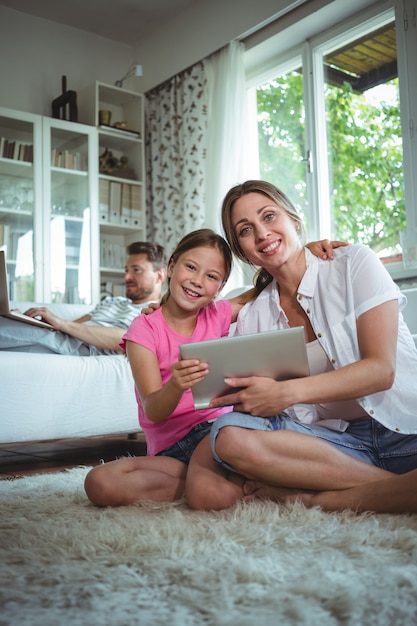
(311, 51)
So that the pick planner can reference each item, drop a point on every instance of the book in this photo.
(103, 200)
(126, 208)
(115, 201)
(136, 204)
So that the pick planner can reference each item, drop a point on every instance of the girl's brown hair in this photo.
(262, 278)
(202, 238)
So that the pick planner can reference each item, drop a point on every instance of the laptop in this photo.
(5, 304)
(277, 354)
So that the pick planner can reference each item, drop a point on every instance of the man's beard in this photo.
(138, 294)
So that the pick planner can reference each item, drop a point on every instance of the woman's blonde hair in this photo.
(262, 278)
(202, 238)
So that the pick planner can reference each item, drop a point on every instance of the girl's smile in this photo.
(196, 277)
(192, 294)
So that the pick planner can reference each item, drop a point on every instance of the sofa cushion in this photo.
(64, 310)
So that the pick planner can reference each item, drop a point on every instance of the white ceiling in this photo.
(120, 20)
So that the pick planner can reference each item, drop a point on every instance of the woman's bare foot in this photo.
(253, 489)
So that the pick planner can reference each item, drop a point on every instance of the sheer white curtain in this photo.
(228, 137)
(226, 126)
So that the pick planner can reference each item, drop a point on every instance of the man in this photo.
(101, 331)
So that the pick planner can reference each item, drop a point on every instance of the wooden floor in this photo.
(40, 457)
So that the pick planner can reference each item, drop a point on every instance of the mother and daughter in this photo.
(344, 437)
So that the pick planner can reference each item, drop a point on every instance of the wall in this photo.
(35, 53)
(206, 26)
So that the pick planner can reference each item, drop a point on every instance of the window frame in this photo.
(311, 50)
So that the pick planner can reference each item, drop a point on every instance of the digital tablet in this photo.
(277, 354)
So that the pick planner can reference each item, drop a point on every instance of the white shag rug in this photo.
(63, 561)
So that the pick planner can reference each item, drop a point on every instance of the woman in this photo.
(354, 420)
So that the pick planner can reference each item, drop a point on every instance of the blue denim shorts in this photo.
(183, 449)
(366, 440)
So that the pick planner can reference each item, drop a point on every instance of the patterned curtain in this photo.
(176, 138)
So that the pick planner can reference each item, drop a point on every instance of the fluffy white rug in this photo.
(63, 561)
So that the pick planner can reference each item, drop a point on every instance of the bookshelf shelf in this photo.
(67, 171)
(14, 167)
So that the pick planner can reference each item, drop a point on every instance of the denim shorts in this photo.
(366, 440)
(183, 449)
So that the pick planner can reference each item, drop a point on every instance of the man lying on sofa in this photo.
(101, 331)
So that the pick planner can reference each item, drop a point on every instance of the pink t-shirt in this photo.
(152, 332)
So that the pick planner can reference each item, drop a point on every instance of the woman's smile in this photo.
(270, 248)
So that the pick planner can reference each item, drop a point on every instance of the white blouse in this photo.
(334, 294)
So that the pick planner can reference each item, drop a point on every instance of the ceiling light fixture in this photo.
(134, 70)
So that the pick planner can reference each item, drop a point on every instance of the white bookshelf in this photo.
(121, 190)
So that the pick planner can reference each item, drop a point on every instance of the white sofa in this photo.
(52, 396)
(49, 396)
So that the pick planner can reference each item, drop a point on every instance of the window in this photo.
(363, 136)
(334, 136)
(281, 135)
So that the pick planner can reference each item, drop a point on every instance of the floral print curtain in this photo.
(176, 140)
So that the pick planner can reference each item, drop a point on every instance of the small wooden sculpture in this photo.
(67, 100)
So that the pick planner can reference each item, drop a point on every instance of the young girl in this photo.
(197, 271)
